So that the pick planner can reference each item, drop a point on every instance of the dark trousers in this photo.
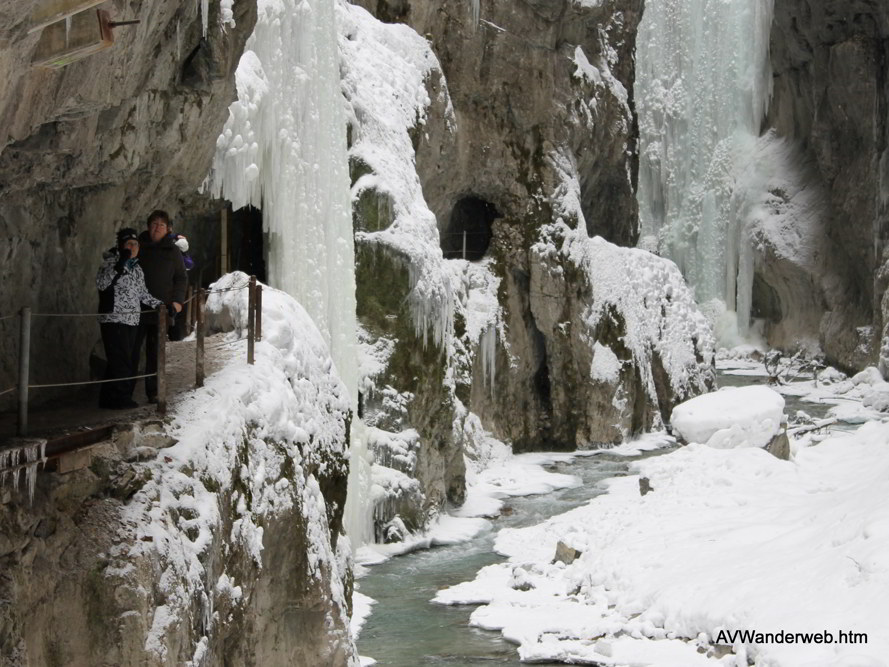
(119, 341)
(147, 335)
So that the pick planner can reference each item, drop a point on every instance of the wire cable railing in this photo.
(196, 319)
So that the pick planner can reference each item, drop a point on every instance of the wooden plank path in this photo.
(77, 416)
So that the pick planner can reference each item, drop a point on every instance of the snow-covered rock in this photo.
(624, 335)
(732, 417)
(198, 553)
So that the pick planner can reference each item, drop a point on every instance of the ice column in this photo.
(283, 150)
(703, 83)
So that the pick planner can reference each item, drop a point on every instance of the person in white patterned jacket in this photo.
(122, 290)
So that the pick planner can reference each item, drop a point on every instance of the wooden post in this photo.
(223, 236)
(24, 369)
(162, 360)
(464, 244)
(251, 319)
(258, 332)
(189, 310)
(199, 343)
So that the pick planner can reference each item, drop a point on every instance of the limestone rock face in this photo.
(96, 145)
(73, 594)
(831, 98)
(538, 112)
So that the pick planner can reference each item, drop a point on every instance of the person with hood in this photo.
(122, 289)
(166, 280)
(178, 326)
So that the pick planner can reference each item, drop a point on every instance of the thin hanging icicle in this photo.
(205, 15)
(22, 461)
(475, 9)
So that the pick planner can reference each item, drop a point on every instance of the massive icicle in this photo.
(284, 149)
(703, 83)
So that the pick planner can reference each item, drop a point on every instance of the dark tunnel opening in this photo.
(468, 233)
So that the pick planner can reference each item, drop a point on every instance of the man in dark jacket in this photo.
(166, 279)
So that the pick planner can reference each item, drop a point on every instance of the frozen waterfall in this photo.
(703, 83)
(283, 150)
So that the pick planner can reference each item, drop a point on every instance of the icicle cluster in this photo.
(22, 461)
(283, 150)
(703, 84)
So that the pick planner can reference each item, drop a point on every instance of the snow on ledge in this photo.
(248, 444)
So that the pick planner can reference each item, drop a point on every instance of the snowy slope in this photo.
(728, 540)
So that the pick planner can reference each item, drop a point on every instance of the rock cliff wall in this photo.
(831, 100)
(96, 145)
(466, 147)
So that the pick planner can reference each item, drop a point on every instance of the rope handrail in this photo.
(78, 384)
(254, 329)
(131, 312)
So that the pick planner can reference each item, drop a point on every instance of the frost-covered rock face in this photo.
(624, 338)
(831, 97)
(219, 548)
(522, 110)
(99, 144)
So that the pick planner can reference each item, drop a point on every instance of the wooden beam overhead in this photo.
(65, 42)
(50, 11)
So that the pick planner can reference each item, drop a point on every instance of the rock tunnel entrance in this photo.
(247, 249)
(468, 232)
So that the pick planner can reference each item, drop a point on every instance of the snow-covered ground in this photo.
(728, 540)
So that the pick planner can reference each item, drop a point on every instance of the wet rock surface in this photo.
(831, 97)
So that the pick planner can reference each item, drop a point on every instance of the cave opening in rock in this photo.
(247, 249)
(468, 232)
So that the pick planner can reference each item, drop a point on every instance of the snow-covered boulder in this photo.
(733, 417)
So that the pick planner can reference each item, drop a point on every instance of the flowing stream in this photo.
(406, 630)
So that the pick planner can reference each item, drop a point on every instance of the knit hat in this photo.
(125, 235)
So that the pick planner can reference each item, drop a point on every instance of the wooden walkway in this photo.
(79, 414)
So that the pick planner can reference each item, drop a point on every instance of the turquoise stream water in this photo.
(406, 630)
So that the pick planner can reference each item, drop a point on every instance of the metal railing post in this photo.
(258, 332)
(251, 319)
(162, 360)
(199, 341)
(464, 244)
(24, 369)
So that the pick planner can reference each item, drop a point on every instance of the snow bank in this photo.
(733, 417)
(254, 442)
(727, 540)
